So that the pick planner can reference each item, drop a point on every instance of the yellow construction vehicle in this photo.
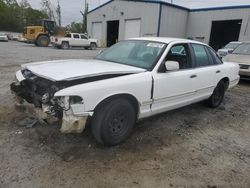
(40, 35)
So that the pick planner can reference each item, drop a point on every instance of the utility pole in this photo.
(84, 16)
(58, 12)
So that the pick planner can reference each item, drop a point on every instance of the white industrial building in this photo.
(121, 19)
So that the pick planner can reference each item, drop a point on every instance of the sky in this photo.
(71, 8)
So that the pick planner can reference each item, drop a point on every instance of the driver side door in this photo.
(173, 89)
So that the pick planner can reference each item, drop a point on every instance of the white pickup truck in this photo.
(74, 40)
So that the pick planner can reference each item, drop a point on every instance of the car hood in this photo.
(73, 69)
(237, 58)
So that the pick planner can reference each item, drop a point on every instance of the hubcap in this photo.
(117, 124)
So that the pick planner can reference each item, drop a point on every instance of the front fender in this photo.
(138, 85)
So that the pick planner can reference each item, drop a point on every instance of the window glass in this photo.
(83, 37)
(231, 45)
(76, 36)
(243, 49)
(216, 59)
(68, 35)
(179, 53)
(200, 55)
(139, 53)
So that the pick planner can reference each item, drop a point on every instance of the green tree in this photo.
(14, 16)
(75, 27)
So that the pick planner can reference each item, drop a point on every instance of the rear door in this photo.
(208, 70)
(76, 41)
(173, 89)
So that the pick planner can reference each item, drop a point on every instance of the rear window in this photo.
(243, 49)
(76, 36)
(68, 35)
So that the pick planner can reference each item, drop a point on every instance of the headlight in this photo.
(66, 101)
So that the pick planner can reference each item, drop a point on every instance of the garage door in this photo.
(132, 28)
(97, 32)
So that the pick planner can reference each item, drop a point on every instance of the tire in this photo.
(43, 41)
(65, 45)
(218, 95)
(113, 122)
(93, 46)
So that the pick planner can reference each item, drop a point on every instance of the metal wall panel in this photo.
(173, 22)
(200, 22)
(126, 10)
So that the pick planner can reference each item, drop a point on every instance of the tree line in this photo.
(14, 16)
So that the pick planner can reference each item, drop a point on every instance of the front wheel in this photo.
(218, 95)
(43, 41)
(113, 122)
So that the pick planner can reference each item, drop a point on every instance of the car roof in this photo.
(166, 40)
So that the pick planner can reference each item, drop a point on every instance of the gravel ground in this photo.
(194, 146)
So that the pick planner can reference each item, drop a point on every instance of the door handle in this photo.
(193, 76)
(218, 71)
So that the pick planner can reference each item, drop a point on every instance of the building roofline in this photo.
(177, 6)
(220, 8)
(144, 1)
(102, 5)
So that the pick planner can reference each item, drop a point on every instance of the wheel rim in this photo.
(93, 46)
(118, 124)
(64, 46)
(44, 42)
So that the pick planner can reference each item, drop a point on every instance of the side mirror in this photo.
(172, 65)
(230, 51)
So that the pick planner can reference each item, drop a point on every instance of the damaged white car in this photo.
(131, 80)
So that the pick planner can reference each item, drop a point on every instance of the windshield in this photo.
(243, 49)
(142, 54)
(231, 45)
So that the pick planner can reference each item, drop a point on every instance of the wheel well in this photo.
(129, 97)
(42, 35)
(226, 81)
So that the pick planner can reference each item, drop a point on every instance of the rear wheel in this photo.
(65, 45)
(218, 95)
(113, 122)
(43, 41)
(93, 46)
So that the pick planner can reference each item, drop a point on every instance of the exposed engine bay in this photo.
(40, 92)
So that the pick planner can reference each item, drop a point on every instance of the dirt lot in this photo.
(190, 147)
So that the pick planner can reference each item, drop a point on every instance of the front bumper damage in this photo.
(39, 94)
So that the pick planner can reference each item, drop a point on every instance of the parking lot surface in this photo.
(193, 146)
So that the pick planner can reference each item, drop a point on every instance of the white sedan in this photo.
(131, 80)
(3, 37)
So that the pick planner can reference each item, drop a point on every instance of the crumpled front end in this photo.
(40, 92)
